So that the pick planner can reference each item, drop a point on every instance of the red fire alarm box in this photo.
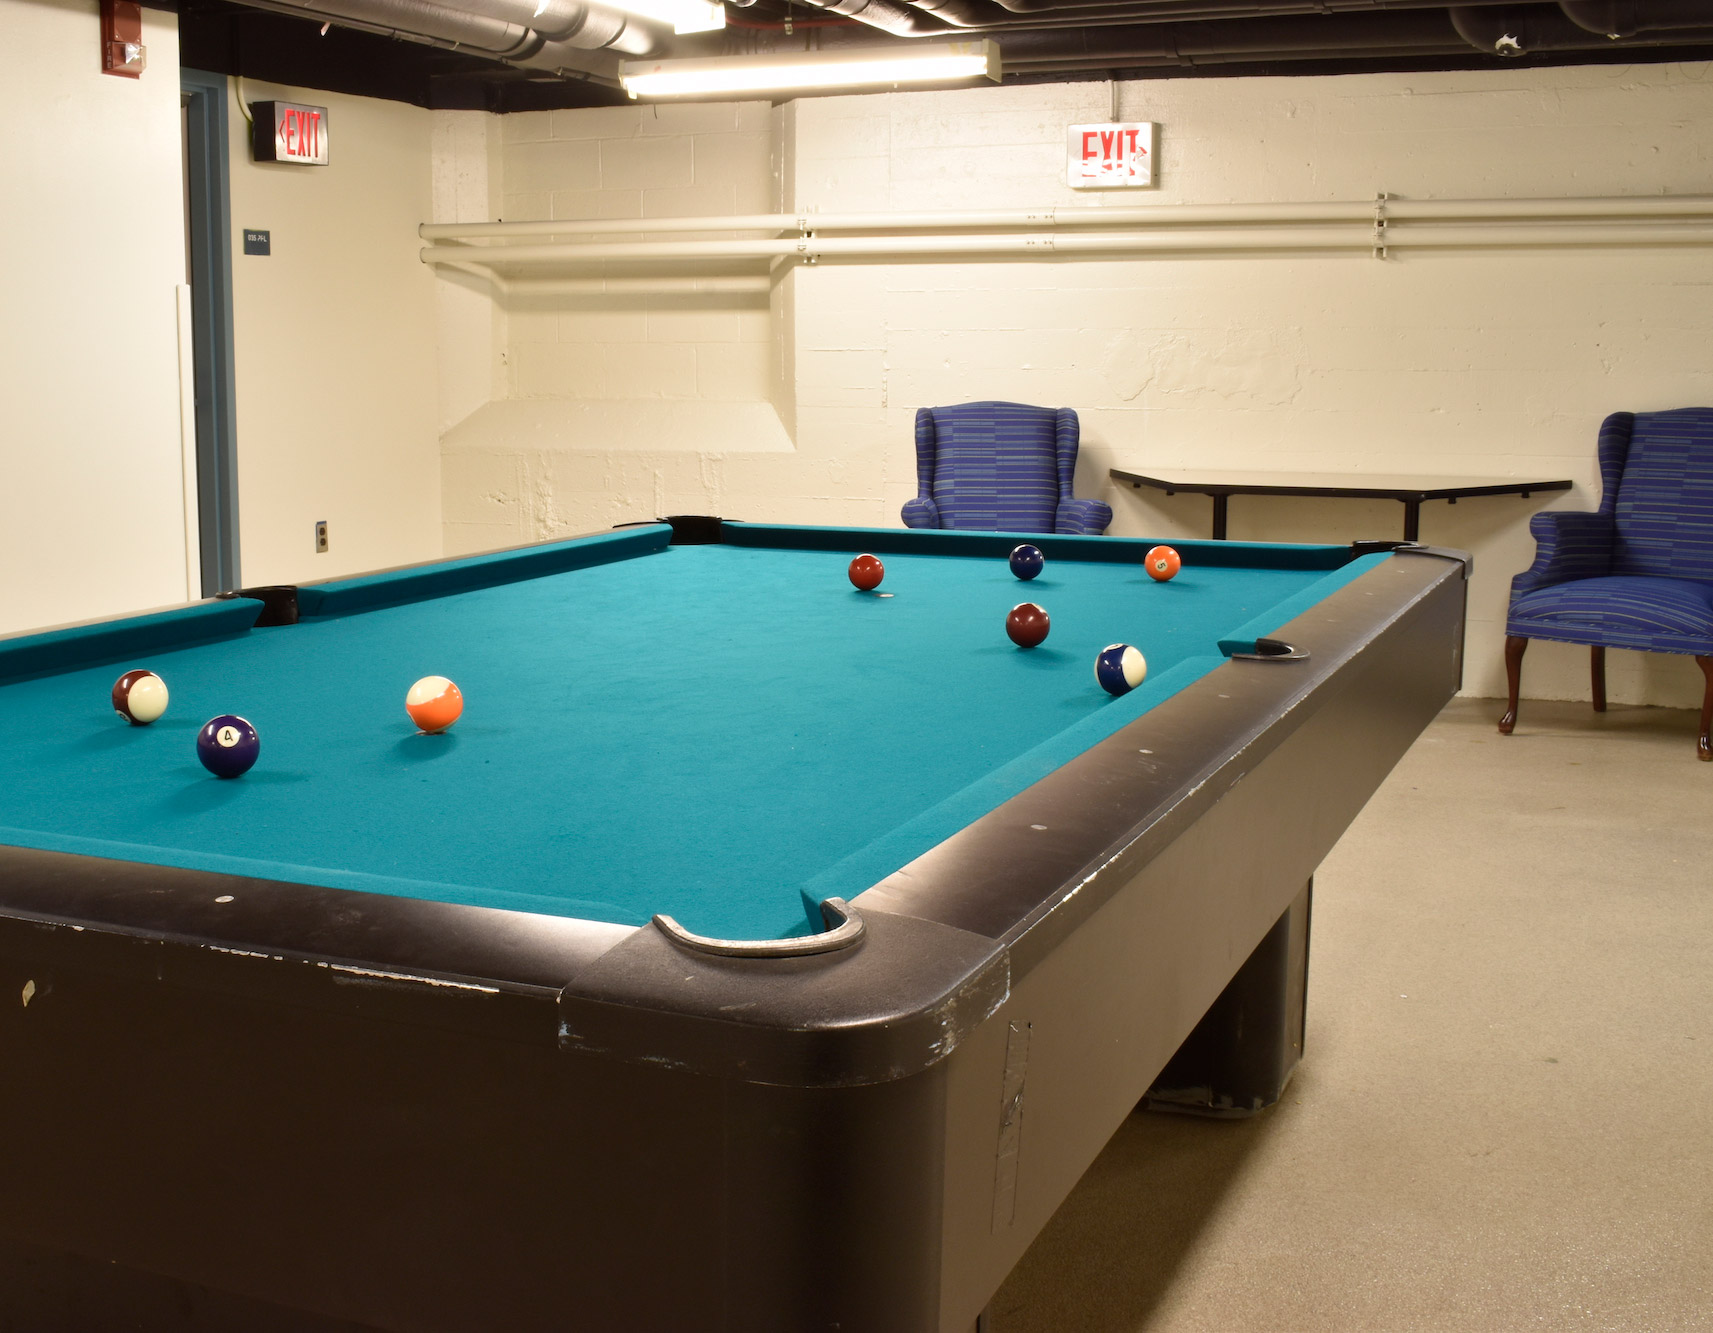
(288, 132)
(122, 50)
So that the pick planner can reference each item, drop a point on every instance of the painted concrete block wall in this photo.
(1491, 364)
(623, 389)
(91, 479)
(335, 346)
(1446, 364)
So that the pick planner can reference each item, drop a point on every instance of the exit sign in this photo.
(1113, 156)
(288, 132)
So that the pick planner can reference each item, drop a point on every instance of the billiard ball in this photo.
(434, 703)
(866, 572)
(1162, 562)
(227, 745)
(1027, 561)
(139, 697)
(1027, 624)
(1120, 668)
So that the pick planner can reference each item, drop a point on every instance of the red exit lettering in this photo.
(300, 133)
(303, 133)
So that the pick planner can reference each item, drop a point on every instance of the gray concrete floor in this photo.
(1504, 1117)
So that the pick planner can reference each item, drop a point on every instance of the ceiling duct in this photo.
(570, 35)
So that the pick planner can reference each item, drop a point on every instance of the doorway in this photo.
(208, 273)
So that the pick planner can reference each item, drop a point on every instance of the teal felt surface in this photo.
(701, 730)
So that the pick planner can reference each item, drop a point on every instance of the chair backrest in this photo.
(996, 466)
(1656, 470)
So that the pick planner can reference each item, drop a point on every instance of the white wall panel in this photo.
(92, 495)
(335, 344)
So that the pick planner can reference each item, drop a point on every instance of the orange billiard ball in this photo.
(1162, 562)
(434, 703)
(866, 573)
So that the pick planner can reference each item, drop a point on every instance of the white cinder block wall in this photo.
(1492, 364)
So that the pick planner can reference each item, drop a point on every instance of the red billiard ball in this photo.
(1027, 624)
(1162, 562)
(867, 572)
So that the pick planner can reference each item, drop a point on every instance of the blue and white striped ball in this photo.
(1120, 668)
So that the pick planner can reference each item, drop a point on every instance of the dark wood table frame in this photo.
(1410, 492)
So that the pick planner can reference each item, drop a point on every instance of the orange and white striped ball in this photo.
(434, 703)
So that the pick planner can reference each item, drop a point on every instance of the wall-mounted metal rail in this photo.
(508, 250)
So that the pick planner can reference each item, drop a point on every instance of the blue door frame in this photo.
(210, 222)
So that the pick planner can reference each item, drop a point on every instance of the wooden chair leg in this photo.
(1597, 671)
(1515, 647)
(1704, 746)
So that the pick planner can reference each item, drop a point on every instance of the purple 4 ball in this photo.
(227, 745)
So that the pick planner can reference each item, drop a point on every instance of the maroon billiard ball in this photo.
(867, 572)
(139, 697)
(1027, 624)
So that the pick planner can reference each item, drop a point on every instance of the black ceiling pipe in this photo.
(1358, 36)
(990, 14)
(1231, 9)
(1424, 32)
(1522, 29)
(1631, 18)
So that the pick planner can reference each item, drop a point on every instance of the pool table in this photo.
(756, 952)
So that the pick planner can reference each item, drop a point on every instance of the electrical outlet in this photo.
(321, 535)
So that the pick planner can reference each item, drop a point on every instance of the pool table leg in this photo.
(1241, 1055)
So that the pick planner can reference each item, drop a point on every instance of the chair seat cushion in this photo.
(1620, 611)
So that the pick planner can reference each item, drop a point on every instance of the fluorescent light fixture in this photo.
(854, 67)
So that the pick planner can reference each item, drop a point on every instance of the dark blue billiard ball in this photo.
(1027, 562)
(227, 745)
(1120, 668)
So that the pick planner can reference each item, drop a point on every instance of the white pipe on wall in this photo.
(1365, 238)
(1162, 215)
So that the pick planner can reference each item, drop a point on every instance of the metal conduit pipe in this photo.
(1640, 207)
(1041, 245)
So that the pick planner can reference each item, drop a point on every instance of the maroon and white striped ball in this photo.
(139, 697)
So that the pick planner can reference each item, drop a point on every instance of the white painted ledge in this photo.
(633, 425)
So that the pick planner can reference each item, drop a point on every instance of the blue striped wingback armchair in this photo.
(1637, 573)
(999, 467)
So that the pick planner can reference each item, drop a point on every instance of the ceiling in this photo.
(363, 46)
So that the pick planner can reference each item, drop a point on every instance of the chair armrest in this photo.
(921, 512)
(1568, 545)
(1088, 517)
